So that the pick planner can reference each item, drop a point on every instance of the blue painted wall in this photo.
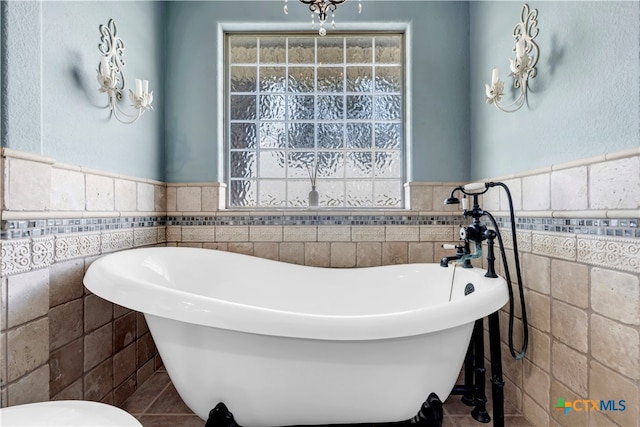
(585, 98)
(51, 104)
(439, 97)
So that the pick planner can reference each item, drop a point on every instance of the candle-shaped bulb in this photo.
(145, 86)
(104, 66)
(494, 76)
(520, 48)
(138, 88)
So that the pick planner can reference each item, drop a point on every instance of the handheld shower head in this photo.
(452, 199)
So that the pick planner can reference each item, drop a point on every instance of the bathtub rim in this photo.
(196, 309)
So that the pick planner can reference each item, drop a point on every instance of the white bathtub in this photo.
(284, 344)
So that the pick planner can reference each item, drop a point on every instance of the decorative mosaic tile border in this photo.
(601, 227)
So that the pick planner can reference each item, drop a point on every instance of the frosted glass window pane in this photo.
(272, 107)
(388, 164)
(302, 79)
(300, 164)
(359, 135)
(388, 50)
(298, 193)
(244, 50)
(243, 193)
(330, 79)
(387, 193)
(388, 135)
(359, 79)
(273, 194)
(388, 79)
(331, 164)
(330, 135)
(243, 164)
(331, 193)
(243, 135)
(273, 50)
(388, 107)
(302, 50)
(272, 135)
(243, 79)
(359, 106)
(272, 164)
(359, 193)
(330, 50)
(359, 164)
(301, 135)
(272, 79)
(301, 107)
(243, 107)
(359, 50)
(331, 107)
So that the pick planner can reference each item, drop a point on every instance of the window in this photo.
(303, 106)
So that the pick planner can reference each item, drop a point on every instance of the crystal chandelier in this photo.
(320, 8)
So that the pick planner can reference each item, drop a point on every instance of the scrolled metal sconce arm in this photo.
(523, 66)
(111, 78)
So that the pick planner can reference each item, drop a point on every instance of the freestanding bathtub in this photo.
(284, 344)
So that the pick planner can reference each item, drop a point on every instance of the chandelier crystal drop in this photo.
(321, 8)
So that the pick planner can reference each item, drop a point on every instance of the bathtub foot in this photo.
(221, 417)
(430, 414)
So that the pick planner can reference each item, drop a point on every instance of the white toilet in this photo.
(68, 413)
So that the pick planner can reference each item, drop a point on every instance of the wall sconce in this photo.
(320, 7)
(523, 67)
(111, 77)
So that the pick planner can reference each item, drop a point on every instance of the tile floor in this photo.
(157, 404)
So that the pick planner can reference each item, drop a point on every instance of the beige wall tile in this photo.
(66, 366)
(610, 385)
(206, 233)
(368, 233)
(539, 350)
(615, 184)
(27, 348)
(343, 254)
(539, 310)
(368, 254)
(211, 200)
(569, 189)
(440, 194)
(3, 360)
(536, 272)
(420, 197)
(421, 252)
(537, 383)
(174, 233)
(570, 367)
(31, 388)
(172, 199)
(292, 252)
(189, 199)
(240, 248)
(616, 345)
(67, 190)
(533, 412)
(265, 233)
(395, 253)
(570, 282)
(125, 195)
(317, 254)
(300, 233)
(515, 188)
(100, 193)
(402, 233)
(65, 323)
(27, 297)
(232, 233)
(146, 197)
(570, 325)
(338, 233)
(435, 233)
(160, 198)
(65, 281)
(98, 346)
(536, 193)
(269, 250)
(97, 312)
(616, 295)
(29, 185)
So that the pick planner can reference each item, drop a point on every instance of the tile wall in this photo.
(578, 240)
(57, 340)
